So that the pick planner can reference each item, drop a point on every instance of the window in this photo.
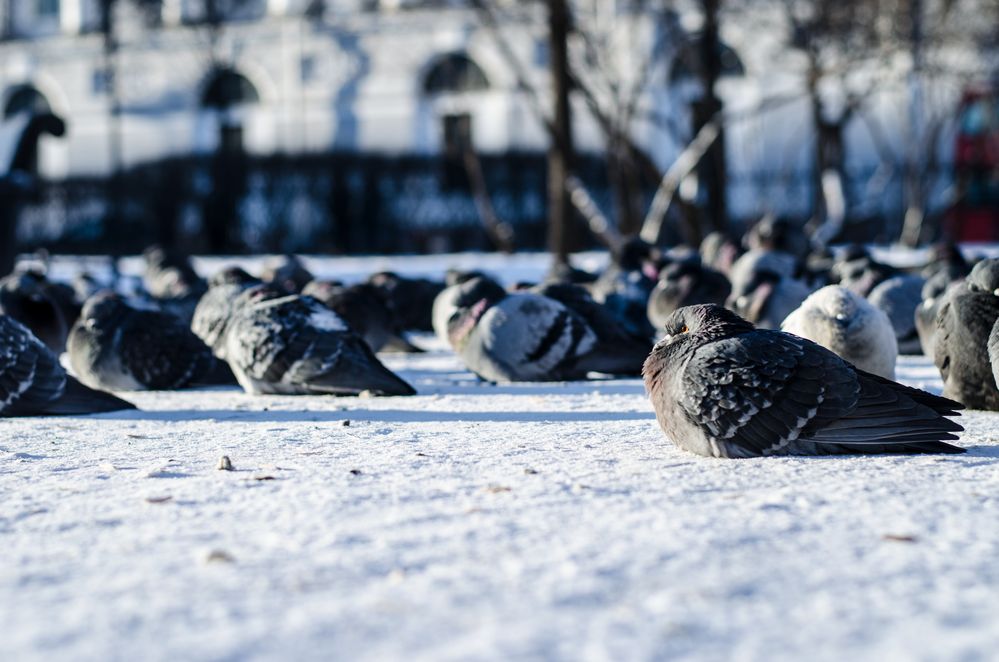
(454, 73)
(228, 88)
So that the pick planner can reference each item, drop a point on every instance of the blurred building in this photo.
(223, 81)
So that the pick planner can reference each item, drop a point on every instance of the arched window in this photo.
(687, 64)
(454, 72)
(25, 99)
(227, 88)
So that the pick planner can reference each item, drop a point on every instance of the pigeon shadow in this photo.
(377, 416)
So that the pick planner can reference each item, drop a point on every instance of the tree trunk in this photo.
(560, 156)
(712, 169)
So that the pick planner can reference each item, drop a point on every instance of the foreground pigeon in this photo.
(722, 388)
(294, 345)
(527, 337)
(32, 383)
(843, 322)
(960, 343)
(116, 346)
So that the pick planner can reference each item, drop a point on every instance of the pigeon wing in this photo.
(757, 393)
(162, 353)
(30, 374)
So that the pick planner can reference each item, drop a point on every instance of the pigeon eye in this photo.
(684, 329)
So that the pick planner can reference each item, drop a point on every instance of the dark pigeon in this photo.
(24, 297)
(722, 388)
(410, 300)
(960, 345)
(172, 282)
(294, 345)
(32, 383)
(360, 305)
(625, 285)
(934, 293)
(115, 346)
(287, 273)
(211, 315)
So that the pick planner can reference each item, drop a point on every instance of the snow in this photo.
(540, 521)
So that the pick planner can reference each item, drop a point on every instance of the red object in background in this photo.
(975, 214)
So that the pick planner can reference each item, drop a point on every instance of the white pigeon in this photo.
(847, 324)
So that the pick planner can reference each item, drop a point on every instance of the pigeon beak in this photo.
(996, 291)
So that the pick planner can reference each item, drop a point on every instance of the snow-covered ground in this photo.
(538, 521)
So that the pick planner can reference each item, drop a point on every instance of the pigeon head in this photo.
(633, 252)
(258, 294)
(475, 297)
(838, 305)
(103, 307)
(690, 327)
(984, 277)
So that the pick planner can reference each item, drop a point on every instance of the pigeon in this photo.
(722, 388)
(960, 345)
(719, 252)
(23, 296)
(607, 327)
(172, 282)
(778, 234)
(409, 300)
(858, 271)
(32, 383)
(118, 346)
(527, 337)
(685, 284)
(899, 297)
(993, 348)
(935, 291)
(294, 345)
(288, 274)
(211, 315)
(625, 285)
(744, 271)
(768, 298)
(360, 305)
(846, 324)
(445, 304)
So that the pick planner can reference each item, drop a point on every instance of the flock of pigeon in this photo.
(770, 348)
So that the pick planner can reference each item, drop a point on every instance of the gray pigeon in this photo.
(899, 297)
(360, 305)
(722, 388)
(527, 337)
(32, 383)
(685, 283)
(294, 345)
(117, 346)
(215, 307)
(960, 346)
(934, 293)
(287, 273)
(843, 322)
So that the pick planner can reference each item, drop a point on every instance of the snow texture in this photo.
(474, 521)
